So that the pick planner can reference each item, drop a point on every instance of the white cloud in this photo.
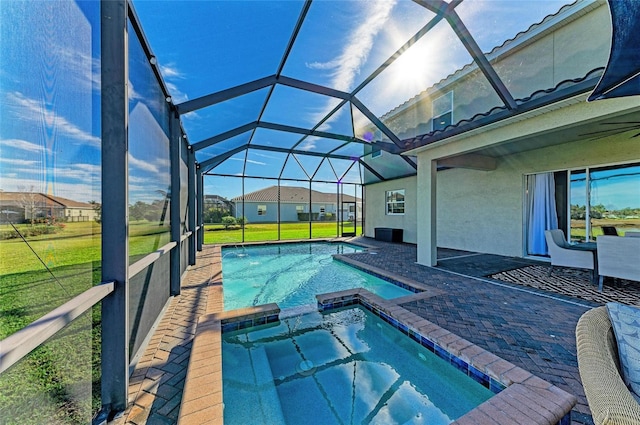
(163, 163)
(359, 43)
(33, 110)
(82, 192)
(346, 66)
(248, 160)
(323, 66)
(22, 145)
(307, 145)
(171, 74)
(170, 71)
(19, 162)
(142, 165)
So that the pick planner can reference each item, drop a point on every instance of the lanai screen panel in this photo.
(50, 149)
(261, 210)
(224, 116)
(324, 210)
(208, 46)
(149, 163)
(414, 83)
(552, 59)
(361, 37)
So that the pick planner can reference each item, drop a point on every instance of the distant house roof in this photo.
(289, 194)
(18, 198)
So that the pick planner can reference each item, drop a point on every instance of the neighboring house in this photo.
(19, 207)
(483, 169)
(217, 201)
(294, 205)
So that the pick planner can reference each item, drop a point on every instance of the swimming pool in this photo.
(346, 366)
(292, 274)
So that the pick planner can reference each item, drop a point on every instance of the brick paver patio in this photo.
(532, 329)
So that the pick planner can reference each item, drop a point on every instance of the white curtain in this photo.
(541, 210)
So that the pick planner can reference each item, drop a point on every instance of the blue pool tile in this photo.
(403, 328)
(479, 376)
(245, 324)
(260, 321)
(427, 343)
(414, 336)
(442, 353)
(496, 386)
(272, 319)
(228, 327)
(460, 364)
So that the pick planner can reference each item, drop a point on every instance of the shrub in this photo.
(228, 221)
(242, 221)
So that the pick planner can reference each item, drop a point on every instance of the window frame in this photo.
(441, 112)
(262, 209)
(391, 205)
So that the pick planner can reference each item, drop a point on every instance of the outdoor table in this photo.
(588, 246)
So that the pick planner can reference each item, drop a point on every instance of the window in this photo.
(262, 210)
(322, 210)
(299, 209)
(442, 109)
(603, 196)
(395, 202)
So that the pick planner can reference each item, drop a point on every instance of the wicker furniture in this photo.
(609, 399)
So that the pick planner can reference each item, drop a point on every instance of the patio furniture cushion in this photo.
(626, 326)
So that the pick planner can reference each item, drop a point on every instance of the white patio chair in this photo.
(618, 257)
(562, 256)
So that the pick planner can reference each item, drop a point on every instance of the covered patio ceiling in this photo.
(301, 90)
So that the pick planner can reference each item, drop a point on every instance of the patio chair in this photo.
(609, 230)
(562, 256)
(609, 398)
(618, 257)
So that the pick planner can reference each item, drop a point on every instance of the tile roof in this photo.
(40, 198)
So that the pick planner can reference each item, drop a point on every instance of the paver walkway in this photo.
(157, 383)
(531, 328)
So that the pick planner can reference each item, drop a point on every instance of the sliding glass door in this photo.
(614, 200)
(587, 202)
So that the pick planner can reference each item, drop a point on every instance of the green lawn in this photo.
(253, 232)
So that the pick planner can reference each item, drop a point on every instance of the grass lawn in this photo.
(253, 232)
(58, 382)
(578, 227)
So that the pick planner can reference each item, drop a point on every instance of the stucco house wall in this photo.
(288, 211)
(484, 210)
(376, 208)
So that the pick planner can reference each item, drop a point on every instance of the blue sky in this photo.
(50, 125)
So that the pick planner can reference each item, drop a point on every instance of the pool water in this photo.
(292, 274)
(343, 367)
